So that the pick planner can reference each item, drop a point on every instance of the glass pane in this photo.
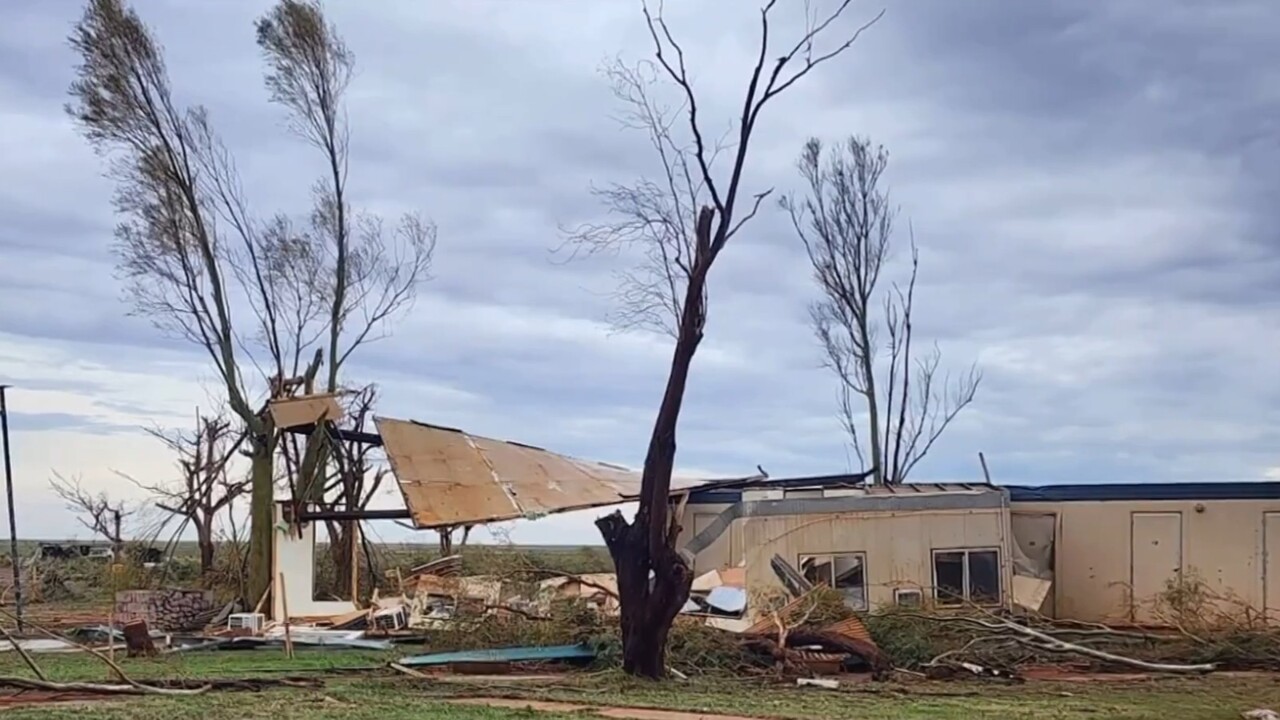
(851, 580)
(817, 569)
(984, 577)
(948, 573)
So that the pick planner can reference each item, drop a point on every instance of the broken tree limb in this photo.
(146, 689)
(26, 658)
(1037, 639)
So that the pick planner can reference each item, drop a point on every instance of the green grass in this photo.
(388, 696)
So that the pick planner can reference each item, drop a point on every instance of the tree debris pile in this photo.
(816, 633)
(992, 644)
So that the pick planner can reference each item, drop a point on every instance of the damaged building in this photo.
(1099, 553)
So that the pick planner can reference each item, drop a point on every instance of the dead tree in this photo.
(446, 534)
(206, 487)
(189, 244)
(893, 403)
(98, 513)
(681, 222)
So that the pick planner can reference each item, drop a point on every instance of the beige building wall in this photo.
(1113, 558)
(725, 552)
(898, 545)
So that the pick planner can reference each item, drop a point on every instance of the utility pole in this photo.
(13, 523)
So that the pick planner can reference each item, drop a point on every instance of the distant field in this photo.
(188, 547)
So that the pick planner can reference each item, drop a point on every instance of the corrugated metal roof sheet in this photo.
(449, 477)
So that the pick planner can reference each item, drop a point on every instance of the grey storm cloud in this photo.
(1091, 186)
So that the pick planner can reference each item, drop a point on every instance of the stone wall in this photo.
(170, 610)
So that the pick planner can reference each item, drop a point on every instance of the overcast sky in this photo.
(1093, 186)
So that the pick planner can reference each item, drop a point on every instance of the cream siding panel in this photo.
(898, 546)
(1222, 544)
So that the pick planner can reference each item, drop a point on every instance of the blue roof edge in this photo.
(1232, 490)
(1237, 490)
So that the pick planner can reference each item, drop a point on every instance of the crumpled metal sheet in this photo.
(449, 477)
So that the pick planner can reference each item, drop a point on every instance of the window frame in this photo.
(951, 601)
(831, 556)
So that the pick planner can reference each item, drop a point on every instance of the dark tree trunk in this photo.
(648, 609)
(342, 555)
(204, 538)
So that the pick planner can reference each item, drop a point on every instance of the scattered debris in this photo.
(137, 639)
(818, 682)
(792, 580)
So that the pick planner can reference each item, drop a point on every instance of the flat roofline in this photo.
(1080, 492)
(1239, 490)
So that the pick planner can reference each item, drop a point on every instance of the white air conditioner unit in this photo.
(396, 618)
(252, 622)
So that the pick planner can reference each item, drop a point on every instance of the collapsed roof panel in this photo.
(449, 477)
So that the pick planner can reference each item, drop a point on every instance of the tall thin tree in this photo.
(189, 243)
(893, 404)
(681, 222)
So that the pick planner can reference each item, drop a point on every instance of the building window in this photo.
(845, 572)
(961, 576)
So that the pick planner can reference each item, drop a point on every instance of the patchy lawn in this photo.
(384, 696)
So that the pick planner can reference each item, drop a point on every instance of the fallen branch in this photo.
(83, 687)
(26, 658)
(146, 689)
(1039, 640)
(19, 683)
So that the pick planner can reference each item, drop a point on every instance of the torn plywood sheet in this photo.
(305, 410)
(449, 477)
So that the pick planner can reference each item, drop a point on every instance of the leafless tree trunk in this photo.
(447, 547)
(98, 513)
(207, 486)
(351, 483)
(682, 222)
(847, 223)
(189, 239)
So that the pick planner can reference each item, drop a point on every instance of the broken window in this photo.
(845, 572)
(961, 576)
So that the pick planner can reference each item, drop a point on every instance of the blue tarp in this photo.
(501, 655)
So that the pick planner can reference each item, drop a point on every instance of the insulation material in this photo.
(1033, 535)
(1033, 546)
(1030, 593)
(449, 477)
(305, 410)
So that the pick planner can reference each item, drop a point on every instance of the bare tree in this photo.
(189, 241)
(670, 290)
(893, 404)
(446, 534)
(101, 515)
(207, 486)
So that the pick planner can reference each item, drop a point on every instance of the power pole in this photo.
(13, 523)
